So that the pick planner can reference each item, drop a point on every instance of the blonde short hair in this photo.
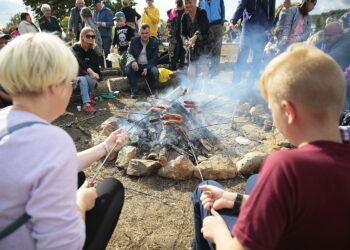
(305, 75)
(45, 6)
(33, 62)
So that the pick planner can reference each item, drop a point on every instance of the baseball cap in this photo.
(94, 2)
(3, 35)
(118, 15)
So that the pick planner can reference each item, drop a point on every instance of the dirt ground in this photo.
(157, 212)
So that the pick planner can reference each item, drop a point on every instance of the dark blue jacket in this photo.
(105, 16)
(135, 49)
(215, 10)
(258, 14)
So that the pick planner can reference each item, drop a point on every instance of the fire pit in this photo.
(169, 129)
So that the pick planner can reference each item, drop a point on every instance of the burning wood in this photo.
(183, 131)
(185, 91)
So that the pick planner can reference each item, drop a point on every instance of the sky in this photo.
(8, 8)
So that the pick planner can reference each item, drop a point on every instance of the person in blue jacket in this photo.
(257, 18)
(142, 60)
(216, 14)
(103, 17)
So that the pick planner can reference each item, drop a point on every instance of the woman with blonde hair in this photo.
(40, 205)
(89, 70)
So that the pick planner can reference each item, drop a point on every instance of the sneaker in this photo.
(89, 110)
(92, 101)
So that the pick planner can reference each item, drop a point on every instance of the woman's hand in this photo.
(116, 140)
(95, 76)
(86, 197)
(193, 41)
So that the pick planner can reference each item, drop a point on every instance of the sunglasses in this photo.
(90, 36)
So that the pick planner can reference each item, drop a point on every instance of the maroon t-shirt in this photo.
(301, 200)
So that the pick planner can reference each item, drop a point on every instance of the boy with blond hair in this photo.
(299, 201)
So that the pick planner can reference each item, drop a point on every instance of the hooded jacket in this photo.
(255, 14)
(152, 19)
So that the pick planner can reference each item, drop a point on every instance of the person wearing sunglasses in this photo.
(89, 71)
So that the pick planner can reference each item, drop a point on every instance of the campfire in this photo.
(177, 135)
(171, 128)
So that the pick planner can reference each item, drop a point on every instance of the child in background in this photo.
(122, 37)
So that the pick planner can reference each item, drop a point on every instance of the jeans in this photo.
(251, 41)
(86, 85)
(200, 213)
(106, 45)
(152, 76)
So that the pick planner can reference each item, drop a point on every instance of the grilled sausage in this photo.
(166, 107)
(177, 122)
(154, 120)
(171, 116)
(189, 102)
(154, 110)
(191, 106)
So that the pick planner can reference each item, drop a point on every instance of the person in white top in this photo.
(26, 25)
(39, 162)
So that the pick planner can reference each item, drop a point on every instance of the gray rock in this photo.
(125, 155)
(138, 167)
(216, 167)
(250, 163)
(179, 169)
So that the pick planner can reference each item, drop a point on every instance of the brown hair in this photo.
(303, 6)
(85, 12)
(24, 15)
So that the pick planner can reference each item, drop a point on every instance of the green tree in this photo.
(13, 24)
(61, 8)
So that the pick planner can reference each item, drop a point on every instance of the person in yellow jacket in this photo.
(151, 17)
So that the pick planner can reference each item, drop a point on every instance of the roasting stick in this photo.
(109, 153)
(149, 88)
(195, 157)
(101, 165)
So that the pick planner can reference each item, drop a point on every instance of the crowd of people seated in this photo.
(295, 202)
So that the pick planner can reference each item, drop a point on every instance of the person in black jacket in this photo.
(89, 71)
(194, 32)
(142, 60)
(257, 17)
(49, 23)
(130, 14)
(176, 49)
